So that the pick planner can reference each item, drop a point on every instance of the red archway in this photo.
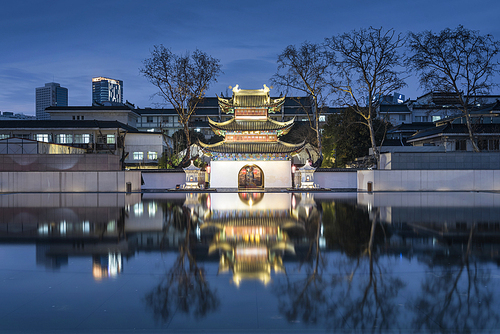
(251, 177)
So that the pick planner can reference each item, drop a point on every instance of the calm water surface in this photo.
(250, 262)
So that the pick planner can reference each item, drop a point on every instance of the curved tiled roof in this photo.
(239, 125)
(272, 147)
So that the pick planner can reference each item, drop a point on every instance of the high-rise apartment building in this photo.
(52, 94)
(106, 89)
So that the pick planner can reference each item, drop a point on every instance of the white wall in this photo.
(423, 180)
(163, 180)
(143, 142)
(113, 181)
(224, 174)
(336, 180)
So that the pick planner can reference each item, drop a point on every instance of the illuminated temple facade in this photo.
(251, 156)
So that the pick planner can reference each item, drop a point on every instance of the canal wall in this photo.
(162, 179)
(362, 180)
(336, 179)
(428, 180)
(105, 181)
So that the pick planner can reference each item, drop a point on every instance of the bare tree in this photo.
(367, 69)
(306, 69)
(182, 81)
(459, 61)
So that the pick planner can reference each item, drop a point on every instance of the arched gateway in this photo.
(251, 155)
(250, 177)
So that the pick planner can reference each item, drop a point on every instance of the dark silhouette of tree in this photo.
(366, 68)
(346, 137)
(456, 299)
(305, 69)
(184, 286)
(460, 62)
(182, 81)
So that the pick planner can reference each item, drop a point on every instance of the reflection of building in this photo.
(250, 233)
(251, 156)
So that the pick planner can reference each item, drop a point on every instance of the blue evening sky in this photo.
(70, 42)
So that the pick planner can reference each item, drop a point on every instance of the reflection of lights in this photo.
(111, 226)
(198, 232)
(322, 242)
(114, 264)
(209, 202)
(86, 227)
(138, 209)
(62, 227)
(43, 229)
(321, 229)
(152, 209)
(294, 201)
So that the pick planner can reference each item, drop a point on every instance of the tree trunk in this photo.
(471, 134)
(369, 122)
(188, 144)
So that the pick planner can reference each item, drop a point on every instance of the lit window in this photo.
(42, 137)
(4, 136)
(110, 139)
(138, 155)
(63, 138)
(152, 155)
(82, 138)
(322, 118)
(436, 118)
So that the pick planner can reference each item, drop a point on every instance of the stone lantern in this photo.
(307, 176)
(191, 176)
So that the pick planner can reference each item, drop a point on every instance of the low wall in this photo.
(458, 160)
(429, 180)
(336, 179)
(59, 162)
(162, 179)
(112, 181)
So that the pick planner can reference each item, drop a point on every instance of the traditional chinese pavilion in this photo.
(251, 156)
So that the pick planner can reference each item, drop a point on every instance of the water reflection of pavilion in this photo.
(250, 232)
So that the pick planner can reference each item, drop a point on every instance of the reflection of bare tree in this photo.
(362, 295)
(184, 287)
(305, 298)
(370, 305)
(452, 301)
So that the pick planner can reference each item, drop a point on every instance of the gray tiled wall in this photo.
(450, 160)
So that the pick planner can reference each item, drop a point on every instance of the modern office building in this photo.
(106, 89)
(52, 94)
